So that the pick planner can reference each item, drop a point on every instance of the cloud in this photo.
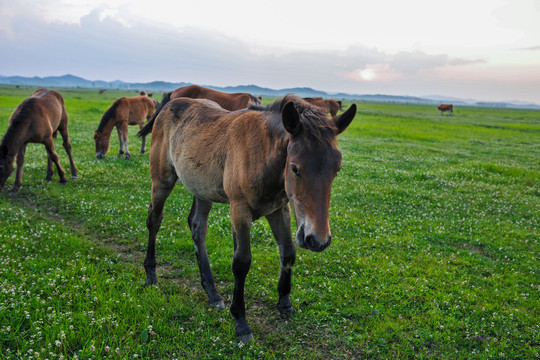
(100, 47)
(531, 48)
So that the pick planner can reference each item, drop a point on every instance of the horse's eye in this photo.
(295, 170)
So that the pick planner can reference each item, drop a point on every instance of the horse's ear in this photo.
(291, 119)
(344, 120)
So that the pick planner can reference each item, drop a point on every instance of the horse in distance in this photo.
(258, 160)
(36, 119)
(330, 106)
(123, 112)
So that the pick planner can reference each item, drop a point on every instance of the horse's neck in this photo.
(277, 156)
(13, 139)
(106, 128)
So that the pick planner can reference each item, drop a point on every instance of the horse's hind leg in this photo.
(198, 223)
(161, 188)
(18, 175)
(67, 146)
(53, 157)
(280, 223)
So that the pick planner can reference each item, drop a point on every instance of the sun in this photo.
(367, 74)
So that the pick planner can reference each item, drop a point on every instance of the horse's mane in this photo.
(316, 124)
(255, 99)
(109, 113)
(22, 112)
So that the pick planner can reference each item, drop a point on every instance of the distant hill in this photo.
(72, 81)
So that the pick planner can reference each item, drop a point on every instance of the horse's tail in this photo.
(147, 129)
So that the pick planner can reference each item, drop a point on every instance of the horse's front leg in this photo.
(18, 175)
(241, 226)
(126, 147)
(161, 189)
(280, 223)
(120, 140)
(143, 144)
(198, 223)
(123, 139)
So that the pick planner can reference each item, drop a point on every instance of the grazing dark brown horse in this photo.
(227, 101)
(123, 112)
(37, 119)
(446, 107)
(326, 105)
(257, 159)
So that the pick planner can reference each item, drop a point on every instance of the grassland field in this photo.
(435, 255)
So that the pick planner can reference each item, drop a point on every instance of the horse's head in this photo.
(6, 165)
(313, 161)
(102, 144)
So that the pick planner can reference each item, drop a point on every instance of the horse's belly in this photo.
(203, 184)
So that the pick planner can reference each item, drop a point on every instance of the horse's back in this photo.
(231, 102)
(43, 113)
(134, 109)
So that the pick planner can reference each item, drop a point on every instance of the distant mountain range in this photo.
(72, 81)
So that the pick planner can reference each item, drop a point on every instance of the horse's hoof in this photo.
(128, 156)
(63, 182)
(245, 339)
(218, 304)
(151, 278)
(286, 310)
(285, 307)
(74, 177)
(148, 283)
(142, 152)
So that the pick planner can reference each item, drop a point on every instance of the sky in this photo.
(488, 50)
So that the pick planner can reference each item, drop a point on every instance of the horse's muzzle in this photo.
(311, 241)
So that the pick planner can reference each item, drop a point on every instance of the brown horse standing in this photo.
(232, 102)
(258, 160)
(123, 112)
(326, 105)
(37, 119)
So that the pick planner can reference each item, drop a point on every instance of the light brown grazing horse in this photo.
(257, 159)
(232, 102)
(123, 112)
(326, 105)
(37, 119)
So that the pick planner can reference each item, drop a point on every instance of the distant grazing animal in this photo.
(326, 105)
(37, 119)
(123, 112)
(446, 107)
(257, 159)
(144, 93)
(232, 102)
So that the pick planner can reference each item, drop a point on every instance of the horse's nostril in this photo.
(310, 241)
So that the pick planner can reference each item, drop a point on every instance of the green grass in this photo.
(435, 224)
